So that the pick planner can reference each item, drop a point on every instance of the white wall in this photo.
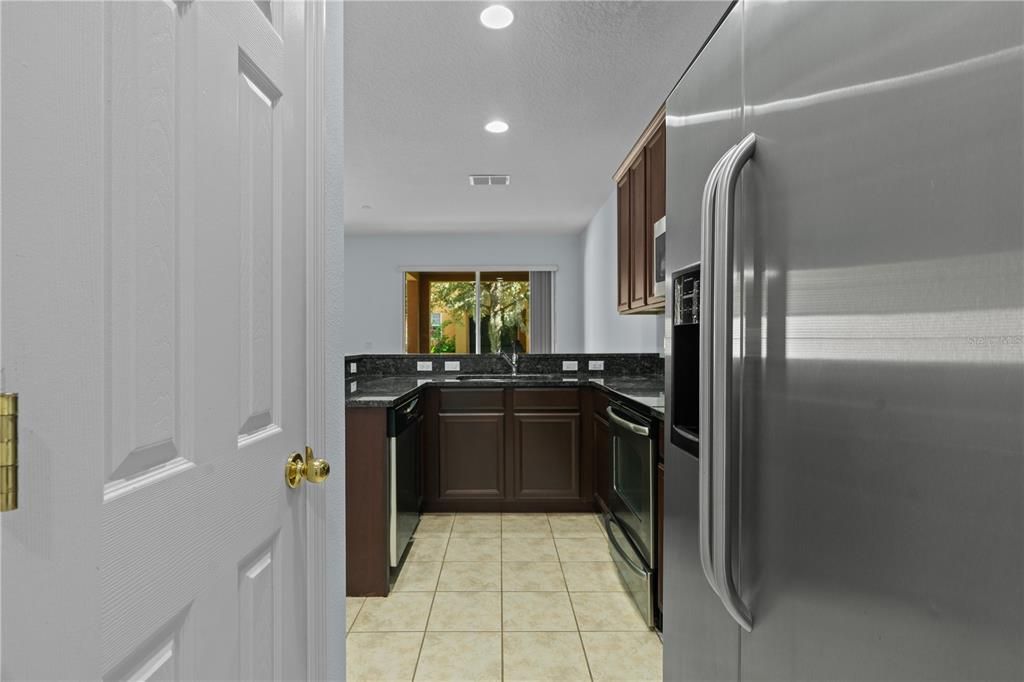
(375, 291)
(604, 330)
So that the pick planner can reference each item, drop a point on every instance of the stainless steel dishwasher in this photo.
(404, 423)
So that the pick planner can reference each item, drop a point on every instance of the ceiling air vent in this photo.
(484, 180)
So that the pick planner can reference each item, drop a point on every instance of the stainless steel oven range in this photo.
(631, 522)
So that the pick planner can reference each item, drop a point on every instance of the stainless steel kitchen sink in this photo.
(503, 377)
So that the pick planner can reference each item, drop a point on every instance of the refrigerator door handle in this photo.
(704, 453)
(722, 468)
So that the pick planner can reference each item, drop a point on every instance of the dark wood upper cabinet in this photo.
(471, 461)
(654, 158)
(641, 191)
(638, 232)
(624, 265)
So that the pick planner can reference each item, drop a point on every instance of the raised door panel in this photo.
(259, 220)
(622, 254)
(654, 153)
(638, 232)
(148, 262)
(547, 456)
(471, 462)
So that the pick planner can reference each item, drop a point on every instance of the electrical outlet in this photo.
(452, 365)
(351, 368)
(570, 366)
(596, 365)
(353, 386)
(424, 366)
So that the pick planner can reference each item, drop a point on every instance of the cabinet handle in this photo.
(722, 467)
(707, 297)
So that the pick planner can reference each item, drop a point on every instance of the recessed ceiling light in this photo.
(496, 16)
(496, 126)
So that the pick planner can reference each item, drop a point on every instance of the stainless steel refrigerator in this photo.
(845, 351)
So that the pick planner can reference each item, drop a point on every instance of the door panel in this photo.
(156, 537)
(623, 258)
(471, 456)
(881, 235)
(702, 122)
(638, 232)
(654, 154)
(547, 456)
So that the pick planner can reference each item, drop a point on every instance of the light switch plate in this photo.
(351, 368)
(570, 366)
(424, 366)
(451, 365)
(596, 365)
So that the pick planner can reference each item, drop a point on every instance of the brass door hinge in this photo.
(8, 451)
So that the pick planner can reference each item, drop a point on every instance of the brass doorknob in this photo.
(310, 468)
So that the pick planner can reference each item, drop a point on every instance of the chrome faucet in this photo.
(512, 361)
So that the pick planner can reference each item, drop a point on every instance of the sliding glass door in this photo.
(478, 311)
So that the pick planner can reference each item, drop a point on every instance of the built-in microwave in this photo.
(658, 247)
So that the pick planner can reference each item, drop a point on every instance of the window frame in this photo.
(405, 270)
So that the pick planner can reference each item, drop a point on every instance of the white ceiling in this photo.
(576, 81)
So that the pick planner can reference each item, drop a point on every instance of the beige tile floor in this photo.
(503, 597)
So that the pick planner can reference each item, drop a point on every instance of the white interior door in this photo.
(154, 325)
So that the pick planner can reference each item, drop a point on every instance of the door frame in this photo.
(316, 399)
(316, 407)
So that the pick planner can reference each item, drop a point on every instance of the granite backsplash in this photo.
(615, 364)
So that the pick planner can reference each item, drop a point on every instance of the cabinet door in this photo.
(654, 152)
(638, 232)
(547, 456)
(471, 456)
(623, 249)
(602, 458)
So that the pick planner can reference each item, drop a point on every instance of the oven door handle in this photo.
(628, 425)
(624, 555)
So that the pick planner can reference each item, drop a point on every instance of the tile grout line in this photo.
(501, 594)
(572, 607)
(433, 595)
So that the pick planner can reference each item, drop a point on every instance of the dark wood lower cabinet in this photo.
(367, 487)
(507, 450)
(546, 456)
(471, 462)
(601, 448)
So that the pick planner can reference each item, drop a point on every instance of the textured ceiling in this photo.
(576, 81)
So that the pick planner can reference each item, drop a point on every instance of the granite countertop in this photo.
(647, 391)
